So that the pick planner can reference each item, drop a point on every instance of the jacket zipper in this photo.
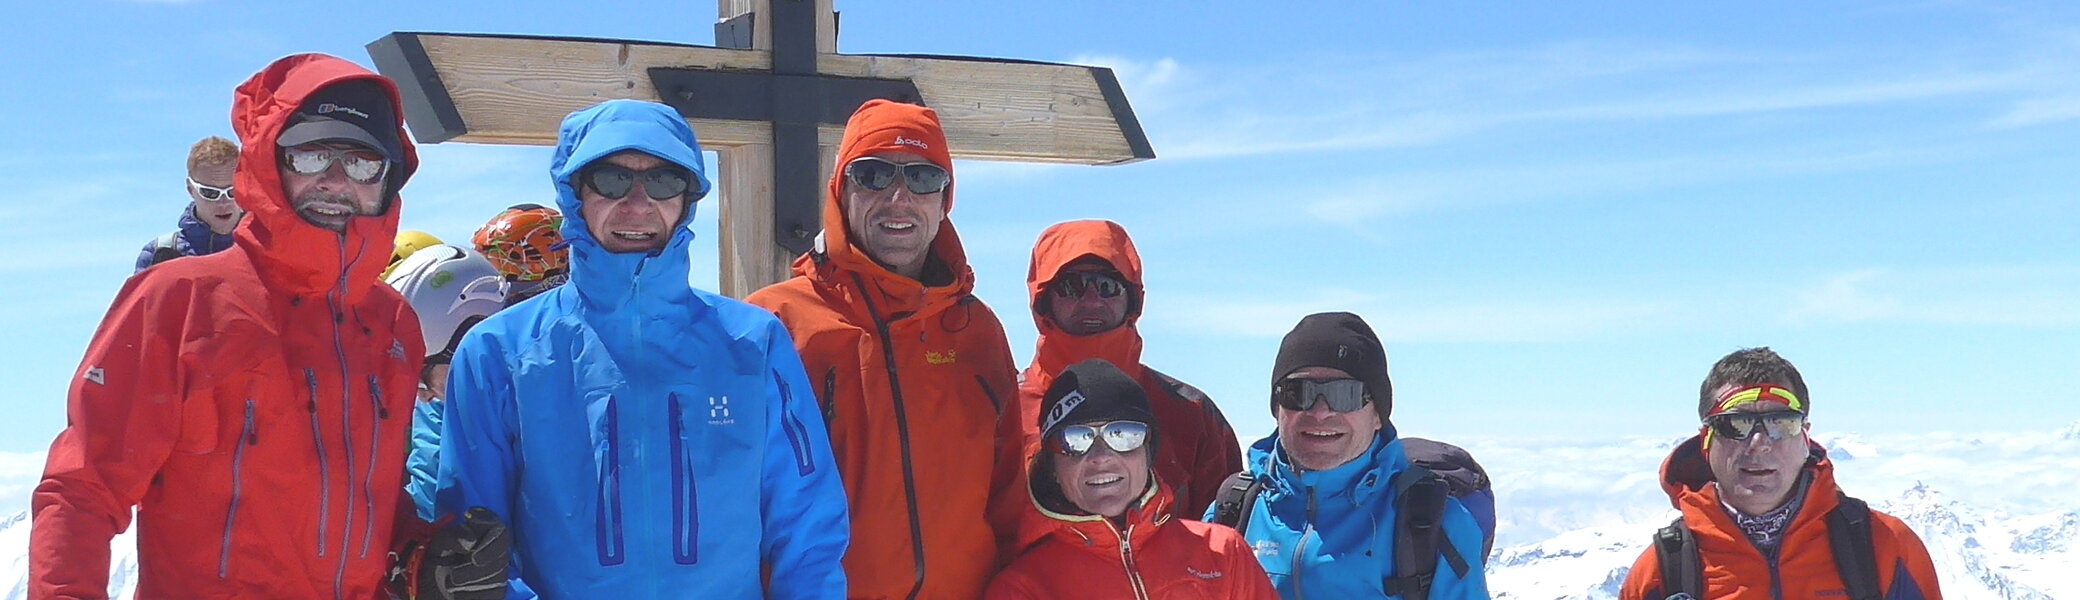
(828, 401)
(686, 518)
(1126, 558)
(1300, 548)
(797, 435)
(992, 395)
(310, 379)
(895, 390)
(334, 300)
(246, 437)
(375, 440)
(608, 515)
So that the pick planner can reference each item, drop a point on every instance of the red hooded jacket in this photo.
(1157, 556)
(1199, 448)
(1804, 567)
(911, 377)
(252, 404)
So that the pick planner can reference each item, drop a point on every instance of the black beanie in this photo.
(1092, 391)
(1338, 340)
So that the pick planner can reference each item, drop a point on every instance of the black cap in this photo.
(1338, 340)
(357, 111)
(1089, 392)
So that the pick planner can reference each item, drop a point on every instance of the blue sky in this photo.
(1557, 214)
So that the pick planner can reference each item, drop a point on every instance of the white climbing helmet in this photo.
(451, 288)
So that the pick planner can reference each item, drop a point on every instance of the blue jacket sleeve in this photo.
(805, 522)
(422, 463)
(1465, 535)
(144, 258)
(477, 463)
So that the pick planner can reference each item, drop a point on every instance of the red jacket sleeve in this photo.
(1911, 560)
(123, 419)
(1644, 581)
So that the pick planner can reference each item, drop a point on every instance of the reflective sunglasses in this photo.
(1343, 395)
(212, 194)
(659, 183)
(877, 174)
(1070, 286)
(1778, 424)
(1120, 436)
(360, 164)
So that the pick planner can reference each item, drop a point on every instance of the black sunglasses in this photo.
(1777, 424)
(1071, 285)
(877, 174)
(1120, 436)
(659, 183)
(1343, 395)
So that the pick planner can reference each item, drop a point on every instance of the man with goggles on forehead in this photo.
(1761, 514)
(1338, 490)
(1085, 286)
(252, 404)
(1108, 529)
(911, 368)
(645, 439)
(206, 224)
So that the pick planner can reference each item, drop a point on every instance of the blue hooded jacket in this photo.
(1330, 534)
(641, 438)
(193, 238)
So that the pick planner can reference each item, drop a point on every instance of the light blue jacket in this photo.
(1329, 534)
(642, 439)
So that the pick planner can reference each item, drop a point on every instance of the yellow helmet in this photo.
(407, 243)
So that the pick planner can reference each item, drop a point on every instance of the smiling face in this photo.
(1758, 474)
(634, 222)
(220, 215)
(894, 226)
(329, 198)
(1319, 439)
(1102, 482)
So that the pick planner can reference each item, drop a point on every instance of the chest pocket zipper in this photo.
(247, 436)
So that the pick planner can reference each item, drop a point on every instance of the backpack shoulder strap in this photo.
(1682, 570)
(1420, 497)
(1232, 504)
(166, 247)
(1849, 535)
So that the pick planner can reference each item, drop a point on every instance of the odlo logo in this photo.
(718, 411)
(919, 144)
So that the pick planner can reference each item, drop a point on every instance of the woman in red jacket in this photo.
(1110, 533)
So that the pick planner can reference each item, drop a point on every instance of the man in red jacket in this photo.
(252, 404)
(1760, 505)
(1086, 294)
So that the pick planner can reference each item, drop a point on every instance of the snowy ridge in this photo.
(14, 560)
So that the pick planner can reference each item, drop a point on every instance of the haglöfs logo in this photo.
(919, 144)
(329, 108)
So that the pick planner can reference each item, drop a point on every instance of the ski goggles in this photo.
(1777, 424)
(876, 174)
(1342, 395)
(205, 192)
(615, 181)
(1070, 286)
(1121, 436)
(359, 164)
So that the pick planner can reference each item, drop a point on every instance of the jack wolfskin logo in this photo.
(718, 411)
(396, 350)
(93, 374)
(940, 358)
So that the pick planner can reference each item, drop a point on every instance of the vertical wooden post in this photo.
(751, 257)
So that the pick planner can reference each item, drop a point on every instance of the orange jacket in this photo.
(911, 378)
(1160, 557)
(253, 403)
(1804, 567)
(1198, 448)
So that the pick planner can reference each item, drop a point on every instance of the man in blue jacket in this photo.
(206, 224)
(1332, 514)
(643, 439)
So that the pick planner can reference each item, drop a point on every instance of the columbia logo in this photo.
(329, 108)
(1203, 574)
(919, 144)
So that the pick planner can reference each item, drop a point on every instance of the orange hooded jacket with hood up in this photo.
(911, 377)
(1199, 448)
(252, 404)
(1734, 569)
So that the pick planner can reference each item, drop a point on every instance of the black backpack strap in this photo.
(1420, 497)
(1682, 570)
(1849, 535)
(1231, 505)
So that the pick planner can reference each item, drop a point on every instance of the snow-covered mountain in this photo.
(2000, 513)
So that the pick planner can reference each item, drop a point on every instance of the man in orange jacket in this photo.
(911, 369)
(252, 404)
(1086, 293)
(1761, 512)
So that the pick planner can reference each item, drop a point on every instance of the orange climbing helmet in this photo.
(523, 243)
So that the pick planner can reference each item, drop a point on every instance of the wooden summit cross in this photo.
(771, 98)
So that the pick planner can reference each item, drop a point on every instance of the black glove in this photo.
(467, 560)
